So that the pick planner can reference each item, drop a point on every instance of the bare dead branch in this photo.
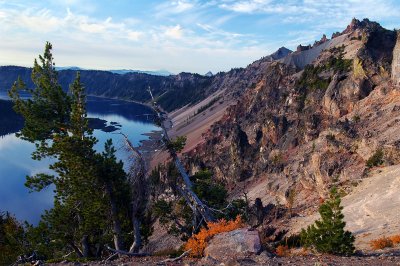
(184, 254)
(186, 189)
(110, 257)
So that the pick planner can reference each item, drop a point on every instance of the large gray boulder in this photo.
(235, 244)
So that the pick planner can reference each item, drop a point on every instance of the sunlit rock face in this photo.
(396, 62)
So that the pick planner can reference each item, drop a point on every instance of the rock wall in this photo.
(396, 62)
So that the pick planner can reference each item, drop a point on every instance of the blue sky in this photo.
(182, 35)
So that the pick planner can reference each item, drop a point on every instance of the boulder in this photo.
(235, 244)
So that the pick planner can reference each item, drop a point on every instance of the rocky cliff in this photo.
(308, 120)
(396, 62)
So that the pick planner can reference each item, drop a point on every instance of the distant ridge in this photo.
(155, 73)
(122, 71)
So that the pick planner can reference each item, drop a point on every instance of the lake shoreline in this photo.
(107, 117)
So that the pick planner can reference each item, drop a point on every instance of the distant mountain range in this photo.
(123, 71)
(172, 91)
(155, 73)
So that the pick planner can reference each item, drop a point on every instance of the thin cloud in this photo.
(175, 32)
(178, 35)
(174, 7)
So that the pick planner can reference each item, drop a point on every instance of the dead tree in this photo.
(185, 189)
(137, 180)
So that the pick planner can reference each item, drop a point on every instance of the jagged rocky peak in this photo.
(301, 48)
(335, 34)
(209, 74)
(280, 53)
(364, 24)
(324, 39)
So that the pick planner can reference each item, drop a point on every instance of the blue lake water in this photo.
(15, 154)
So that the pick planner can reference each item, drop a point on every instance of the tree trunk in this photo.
(191, 198)
(76, 249)
(85, 246)
(138, 238)
(139, 193)
(118, 242)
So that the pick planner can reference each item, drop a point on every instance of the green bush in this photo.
(376, 159)
(292, 241)
(209, 190)
(328, 235)
(177, 144)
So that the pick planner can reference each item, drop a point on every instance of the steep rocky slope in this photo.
(303, 128)
(370, 210)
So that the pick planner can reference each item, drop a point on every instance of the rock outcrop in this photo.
(301, 48)
(238, 244)
(396, 62)
(305, 128)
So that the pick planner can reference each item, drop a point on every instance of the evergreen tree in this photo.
(47, 111)
(12, 239)
(90, 187)
(328, 235)
(115, 184)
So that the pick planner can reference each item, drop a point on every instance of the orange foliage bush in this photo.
(198, 242)
(395, 239)
(282, 251)
(381, 243)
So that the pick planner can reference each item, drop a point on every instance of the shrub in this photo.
(282, 251)
(356, 118)
(293, 241)
(177, 144)
(376, 159)
(198, 242)
(331, 137)
(208, 189)
(328, 235)
(381, 243)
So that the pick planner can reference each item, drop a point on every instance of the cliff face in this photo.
(396, 62)
(305, 129)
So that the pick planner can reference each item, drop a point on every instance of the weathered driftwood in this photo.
(184, 254)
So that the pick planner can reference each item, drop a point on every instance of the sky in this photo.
(183, 35)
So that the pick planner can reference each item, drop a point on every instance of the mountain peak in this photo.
(364, 24)
(280, 53)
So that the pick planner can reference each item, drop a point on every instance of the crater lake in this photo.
(107, 117)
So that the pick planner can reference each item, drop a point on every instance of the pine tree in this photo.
(12, 239)
(328, 234)
(90, 188)
(47, 111)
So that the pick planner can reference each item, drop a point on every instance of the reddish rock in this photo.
(324, 39)
(235, 244)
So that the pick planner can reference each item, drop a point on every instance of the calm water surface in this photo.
(15, 154)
